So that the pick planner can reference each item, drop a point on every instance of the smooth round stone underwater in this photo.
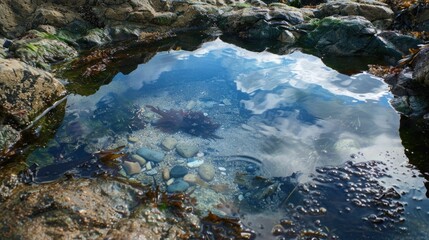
(178, 171)
(178, 186)
(151, 155)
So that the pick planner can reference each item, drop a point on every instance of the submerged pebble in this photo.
(148, 166)
(194, 163)
(178, 186)
(166, 174)
(131, 167)
(178, 171)
(132, 139)
(170, 181)
(206, 171)
(152, 172)
(151, 155)
(139, 159)
(186, 150)
(168, 143)
(191, 178)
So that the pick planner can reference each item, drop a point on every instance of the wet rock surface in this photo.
(376, 12)
(348, 36)
(26, 91)
(86, 209)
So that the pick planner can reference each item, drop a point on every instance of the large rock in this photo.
(378, 13)
(88, 209)
(14, 16)
(421, 66)
(57, 16)
(349, 36)
(43, 50)
(26, 91)
(403, 43)
(263, 23)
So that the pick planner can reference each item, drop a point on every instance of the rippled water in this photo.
(292, 112)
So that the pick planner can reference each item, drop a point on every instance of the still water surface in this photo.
(303, 120)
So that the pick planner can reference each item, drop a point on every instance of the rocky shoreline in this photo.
(36, 36)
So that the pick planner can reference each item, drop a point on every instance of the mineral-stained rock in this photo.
(26, 91)
(41, 51)
(84, 209)
(8, 136)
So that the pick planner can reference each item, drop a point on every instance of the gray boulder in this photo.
(376, 12)
(262, 23)
(349, 36)
(42, 50)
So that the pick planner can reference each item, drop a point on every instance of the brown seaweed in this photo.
(191, 122)
(110, 157)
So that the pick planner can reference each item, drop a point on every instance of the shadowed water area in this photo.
(298, 149)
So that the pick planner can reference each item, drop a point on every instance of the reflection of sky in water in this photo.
(303, 113)
(296, 113)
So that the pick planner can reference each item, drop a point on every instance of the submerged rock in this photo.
(178, 171)
(186, 150)
(206, 171)
(151, 155)
(131, 167)
(168, 143)
(178, 186)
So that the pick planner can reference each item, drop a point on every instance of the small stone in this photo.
(148, 166)
(178, 171)
(152, 172)
(186, 150)
(222, 169)
(194, 163)
(131, 167)
(132, 139)
(168, 143)
(138, 159)
(240, 197)
(122, 173)
(227, 102)
(191, 178)
(206, 172)
(151, 155)
(166, 174)
(191, 104)
(170, 181)
(178, 186)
